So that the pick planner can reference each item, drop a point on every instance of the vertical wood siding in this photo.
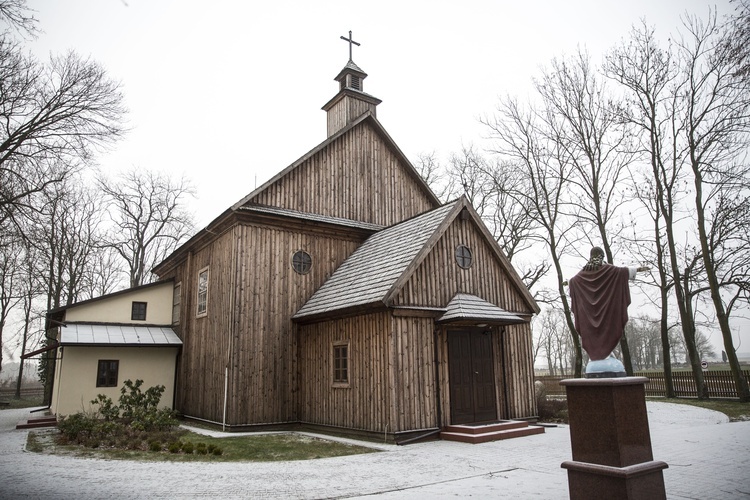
(392, 382)
(519, 371)
(356, 177)
(253, 293)
(434, 283)
(200, 371)
(438, 278)
(345, 111)
(263, 386)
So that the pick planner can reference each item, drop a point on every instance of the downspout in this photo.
(438, 406)
(224, 414)
(232, 316)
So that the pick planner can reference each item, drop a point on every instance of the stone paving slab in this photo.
(708, 458)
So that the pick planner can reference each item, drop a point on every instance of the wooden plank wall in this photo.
(366, 403)
(253, 292)
(438, 278)
(392, 374)
(356, 177)
(345, 111)
(264, 382)
(519, 371)
(415, 387)
(200, 371)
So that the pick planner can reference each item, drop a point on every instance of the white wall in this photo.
(118, 308)
(76, 373)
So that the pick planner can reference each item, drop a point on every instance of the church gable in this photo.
(357, 174)
(465, 260)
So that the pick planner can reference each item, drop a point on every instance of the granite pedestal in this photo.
(610, 441)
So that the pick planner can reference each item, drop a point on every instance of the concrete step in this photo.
(33, 423)
(502, 425)
(489, 432)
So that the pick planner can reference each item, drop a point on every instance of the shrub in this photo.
(217, 451)
(175, 447)
(200, 448)
(141, 409)
(127, 426)
(187, 448)
(78, 427)
(107, 409)
(154, 446)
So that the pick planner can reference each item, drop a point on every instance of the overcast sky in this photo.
(229, 93)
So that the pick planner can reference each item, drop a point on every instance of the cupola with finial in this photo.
(351, 102)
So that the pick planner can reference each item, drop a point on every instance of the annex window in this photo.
(301, 262)
(176, 300)
(106, 373)
(138, 311)
(202, 304)
(463, 256)
(341, 364)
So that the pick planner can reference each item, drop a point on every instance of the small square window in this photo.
(106, 373)
(139, 311)
(341, 364)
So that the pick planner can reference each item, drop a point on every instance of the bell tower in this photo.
(351, 101)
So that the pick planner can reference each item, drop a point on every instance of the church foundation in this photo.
(610, 440)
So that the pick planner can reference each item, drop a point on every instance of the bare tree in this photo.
(737, 43)
(18, 17)
(595, 140)
(647, 73)
(31, 288)
(150, 219)
(716, 123)
(10, 277)
(528, 140)
(52, 118)
(487, 184)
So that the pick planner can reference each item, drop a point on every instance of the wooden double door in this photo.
(472, 376)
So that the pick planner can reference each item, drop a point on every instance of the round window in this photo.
(302, 262)
(463, 256)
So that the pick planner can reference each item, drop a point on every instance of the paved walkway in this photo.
(708, 458)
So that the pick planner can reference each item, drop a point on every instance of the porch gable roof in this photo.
(467, 307)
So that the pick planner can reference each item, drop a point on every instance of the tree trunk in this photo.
(740, 382)
(625, 352)
(688, 330)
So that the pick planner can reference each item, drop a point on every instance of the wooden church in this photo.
(343, 294)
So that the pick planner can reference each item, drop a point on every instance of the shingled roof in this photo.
(369, 274)
(467, 307)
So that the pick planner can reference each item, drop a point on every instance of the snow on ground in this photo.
(708, 458)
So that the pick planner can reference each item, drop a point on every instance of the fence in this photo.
(720, 384)
(26, 392)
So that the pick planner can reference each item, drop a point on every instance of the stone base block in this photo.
(634, 482)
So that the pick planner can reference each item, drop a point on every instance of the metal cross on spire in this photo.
(351, 41)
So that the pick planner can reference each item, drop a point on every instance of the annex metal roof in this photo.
(464, 307)
(121, 335)
(370, 272)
